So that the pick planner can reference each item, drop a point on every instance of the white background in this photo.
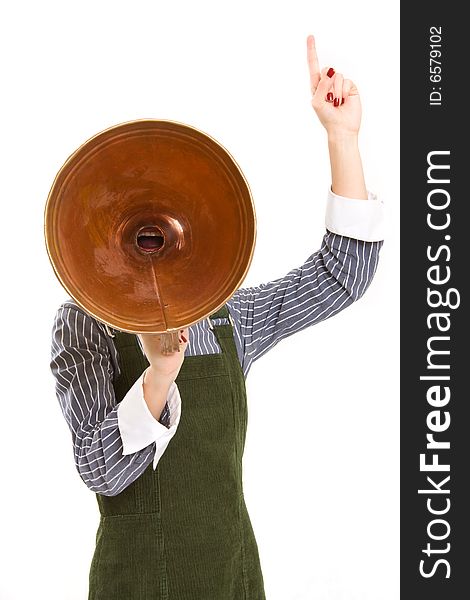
(321, 458)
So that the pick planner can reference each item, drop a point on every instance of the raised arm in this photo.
(337, 104)
(342, 269)
(330, 280)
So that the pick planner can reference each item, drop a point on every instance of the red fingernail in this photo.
(342, 100)
(336, 102)
(183, 338)
(329, 97)
(330, 72)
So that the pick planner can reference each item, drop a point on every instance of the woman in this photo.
(160, 439)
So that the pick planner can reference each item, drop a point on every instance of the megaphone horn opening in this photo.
(150, 239)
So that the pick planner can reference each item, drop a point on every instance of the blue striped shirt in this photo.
(84, 358)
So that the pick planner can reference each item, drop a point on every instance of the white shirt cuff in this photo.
(139, 428)
(355, 218)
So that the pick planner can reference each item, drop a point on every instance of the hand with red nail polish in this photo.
(163, 369)
(330, 90)
(164, 364)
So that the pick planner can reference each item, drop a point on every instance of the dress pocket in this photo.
(199, 367)
(129, 560)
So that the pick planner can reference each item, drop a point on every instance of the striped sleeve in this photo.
(330, 280)
(83, 370)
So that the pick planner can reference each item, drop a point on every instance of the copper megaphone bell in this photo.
(150, 227)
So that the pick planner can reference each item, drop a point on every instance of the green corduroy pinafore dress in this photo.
(182, 531)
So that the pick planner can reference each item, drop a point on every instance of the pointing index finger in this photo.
(313, 65)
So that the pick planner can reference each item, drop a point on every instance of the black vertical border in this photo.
(424, 129)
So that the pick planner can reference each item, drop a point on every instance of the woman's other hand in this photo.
(335, 99)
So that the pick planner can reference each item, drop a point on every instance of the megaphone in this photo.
(150, 227)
